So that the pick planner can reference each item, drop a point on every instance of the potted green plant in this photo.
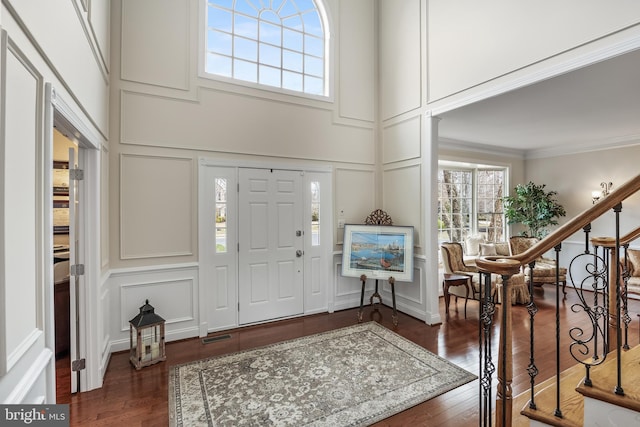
(533, 207)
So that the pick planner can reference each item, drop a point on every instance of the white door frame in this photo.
(319, 172)
(64, 118)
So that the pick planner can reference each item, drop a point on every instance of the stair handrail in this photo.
(610, 242)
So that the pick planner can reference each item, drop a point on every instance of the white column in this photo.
(429, 186)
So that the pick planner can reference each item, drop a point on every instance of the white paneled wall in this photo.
(402, 197)
(400, 57)
(22, 286)
(156, 207)
(157, 55)
(171, 289)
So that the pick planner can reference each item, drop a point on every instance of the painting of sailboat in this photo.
(378, 251)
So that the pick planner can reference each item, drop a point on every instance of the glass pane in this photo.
(221, 236)
(313, 85)
(270, 33)
(291, 61)
(218, 64)
(313, 46)
(219, 42)
(315, 213)
(270, 16)
(247, 7)
(243, 70)
(304, 5)
(221, 215)
(294, 22)
(312, 23)
(292, 81)
(292, 40)
(269, 76)
(288, 9)
(221, 190)
(313, 66)
(247, 27)
(245, 49)
(219, 19)
(270, 55)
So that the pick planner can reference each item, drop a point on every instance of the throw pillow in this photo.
(488, 249)
(472, 245)
(502, 249)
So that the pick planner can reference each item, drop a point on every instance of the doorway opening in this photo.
(61, 264)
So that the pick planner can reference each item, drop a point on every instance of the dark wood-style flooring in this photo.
(140, 398)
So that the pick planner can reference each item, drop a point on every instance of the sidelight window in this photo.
(221, 215)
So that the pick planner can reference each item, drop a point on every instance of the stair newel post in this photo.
(558, 411)
(532, 369)
(504, 396)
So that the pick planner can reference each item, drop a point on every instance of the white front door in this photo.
(271, 243)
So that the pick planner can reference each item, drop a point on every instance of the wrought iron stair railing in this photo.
(590, 275)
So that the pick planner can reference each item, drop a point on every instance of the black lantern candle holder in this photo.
(146, 338)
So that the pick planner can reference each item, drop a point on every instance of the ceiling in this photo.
(591, 108)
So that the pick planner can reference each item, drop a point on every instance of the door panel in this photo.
(218, 248)
(74, 280)
(271, 243)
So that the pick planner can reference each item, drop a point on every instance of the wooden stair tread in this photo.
(604, 380)
(572, 403)
(572, 392)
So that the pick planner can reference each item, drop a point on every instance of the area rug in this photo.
(352, 376)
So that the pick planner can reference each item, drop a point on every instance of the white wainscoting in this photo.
(410, 297)
(171, 289)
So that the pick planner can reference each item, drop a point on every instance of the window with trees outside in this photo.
(276, 43)
(470, 203)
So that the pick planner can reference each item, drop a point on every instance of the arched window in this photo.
(277, 43)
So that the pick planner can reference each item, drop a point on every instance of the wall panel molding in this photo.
(173, 290)
(157, 217)
(21, 233)
(149, 53)
(401, 140)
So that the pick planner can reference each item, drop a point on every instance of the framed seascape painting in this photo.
(378, 251)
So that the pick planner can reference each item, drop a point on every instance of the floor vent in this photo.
(209, 340)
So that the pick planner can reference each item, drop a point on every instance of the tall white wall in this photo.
(165, 116)
(66, 44)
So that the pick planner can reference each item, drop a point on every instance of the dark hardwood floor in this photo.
(140, 398)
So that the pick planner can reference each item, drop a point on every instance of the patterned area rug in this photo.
(352, 376)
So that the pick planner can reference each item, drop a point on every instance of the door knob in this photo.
(299, 253)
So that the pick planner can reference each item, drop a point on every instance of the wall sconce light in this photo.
(597, 194)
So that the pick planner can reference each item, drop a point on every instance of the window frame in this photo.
(329, 54)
